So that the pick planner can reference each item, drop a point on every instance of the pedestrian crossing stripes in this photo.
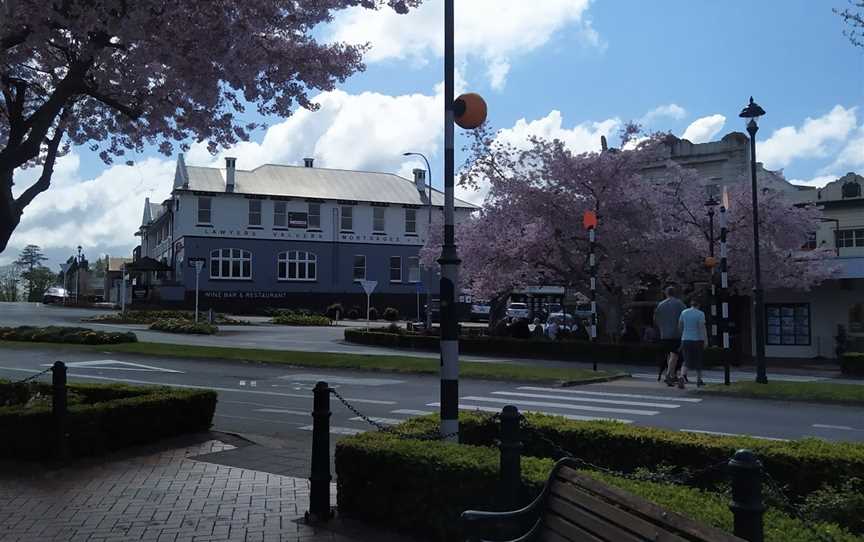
(335, 430)
(382, 421)
(566, 406)
(610, 394)
(587, 399)
(577, 417)
(411, 412)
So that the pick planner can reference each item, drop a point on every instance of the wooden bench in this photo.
(575, 507)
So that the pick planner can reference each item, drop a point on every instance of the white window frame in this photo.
(255, 213)
(413, 269)
(299, 258)
(219, 256)
(851, 238)
(391, 268)
(355, 267)
(280, 211)
(349, 216)
(411, 221)
(208, 210)
(316, 223)
(379, 214)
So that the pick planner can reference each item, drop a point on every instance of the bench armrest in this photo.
(490, 526)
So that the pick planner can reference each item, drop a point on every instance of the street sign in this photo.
(589, 220)
(193, 261)
(368, 286)
(199, 265)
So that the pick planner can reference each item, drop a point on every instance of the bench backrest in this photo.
(581, 508)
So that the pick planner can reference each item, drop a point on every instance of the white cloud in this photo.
(582, 137)
(672, 111)
(818, 181)
(704, 129)
(811, 140)
(493, 31)
(852, 155)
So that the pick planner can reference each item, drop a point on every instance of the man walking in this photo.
(666, 317)
(694, 339)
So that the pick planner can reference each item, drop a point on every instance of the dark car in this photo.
(55, 294)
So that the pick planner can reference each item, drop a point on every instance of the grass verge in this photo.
(814, 392)
(396, 364)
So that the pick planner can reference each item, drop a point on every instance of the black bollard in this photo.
(510, 445)
(58, 408)
(319, 491)
(747, 507)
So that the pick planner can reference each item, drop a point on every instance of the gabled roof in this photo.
(311, 182)
(152, 212)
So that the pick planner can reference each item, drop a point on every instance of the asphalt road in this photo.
(275, 401)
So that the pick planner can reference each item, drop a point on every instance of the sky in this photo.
(567, 69)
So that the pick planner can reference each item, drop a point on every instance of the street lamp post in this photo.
(751, 114)
(428, 229)
(78, 277)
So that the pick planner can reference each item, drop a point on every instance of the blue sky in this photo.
(573, 69)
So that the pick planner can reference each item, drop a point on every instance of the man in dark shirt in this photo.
(666, 317)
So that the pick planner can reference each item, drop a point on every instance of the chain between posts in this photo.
(33, 377)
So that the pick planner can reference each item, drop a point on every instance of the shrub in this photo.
(184, 326)
(62, 334)
(391, 314)
(852, 363)
(294, 319)
(103, 417)
(149, 317)
(423, 486)
(843, 505)
(373, 313)
(334, 309)
(393, 328)
(354, 312)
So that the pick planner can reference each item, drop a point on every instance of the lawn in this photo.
(817, 392)
(397, 364)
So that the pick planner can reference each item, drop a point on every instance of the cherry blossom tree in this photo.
(653, 229)
(119, 75)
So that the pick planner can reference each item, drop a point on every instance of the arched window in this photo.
(230, 263)
(297, 265)
(851, 190)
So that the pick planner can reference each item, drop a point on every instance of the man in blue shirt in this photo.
(694, 339)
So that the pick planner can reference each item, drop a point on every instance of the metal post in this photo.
(758, 295)
(747, 507)
(197, 272)
(712, 291)
(724, 303)
(123, 291)
(510, 467)
(592, 263)
(368, 308)
(449, 260)
(319, 490)
(58, 408)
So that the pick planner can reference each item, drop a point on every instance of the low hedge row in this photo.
(852, 363)
(102, 418)
(148, 317)
(184, 326)
(802, 465)
(631, 354)
(422, 487)
(63, 334)
(296, 319)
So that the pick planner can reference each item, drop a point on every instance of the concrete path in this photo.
(164, 493)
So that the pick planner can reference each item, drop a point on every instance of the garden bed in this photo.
(101, 417)
(184, 326)
(149, 317)
(65, 335)
(296, 319)
(852, 364)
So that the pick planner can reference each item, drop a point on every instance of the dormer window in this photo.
(851, 190)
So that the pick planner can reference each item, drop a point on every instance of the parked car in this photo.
(518, 310)
(583, 311)
(55, 294)
(480, 311)
(565, 320)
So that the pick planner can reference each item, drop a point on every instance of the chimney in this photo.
(230, 169)
(420, 180)
(308, 162)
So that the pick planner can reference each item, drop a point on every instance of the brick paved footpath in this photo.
(162, 494)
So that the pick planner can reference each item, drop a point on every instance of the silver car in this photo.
(517, 310)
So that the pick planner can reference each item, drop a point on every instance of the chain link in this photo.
(33, 377)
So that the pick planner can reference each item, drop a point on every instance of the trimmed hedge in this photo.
(67, 335)
(852, 363)
(631, 354)
(102, 417)
(422, 487)
(802, 465)
(149, 317)
(295, 319)
(184, 326)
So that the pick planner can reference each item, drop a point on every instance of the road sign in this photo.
(199, 265)
(589, 220)
(368, 286)
(193, 261)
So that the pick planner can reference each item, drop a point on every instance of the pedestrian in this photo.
(552, 330)
(694, 340)
(537, 331)
(666, 317)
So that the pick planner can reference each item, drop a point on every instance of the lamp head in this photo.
(752, 112)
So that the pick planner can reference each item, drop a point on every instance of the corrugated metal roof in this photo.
(313, 182)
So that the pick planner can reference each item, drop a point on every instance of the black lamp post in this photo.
(78, 276)
(751, 114)
(428, 230)
(710, 204)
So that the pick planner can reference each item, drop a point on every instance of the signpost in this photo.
(124, 277)
(419, 291)
(368, 287)
(589, 220)
(198, 263)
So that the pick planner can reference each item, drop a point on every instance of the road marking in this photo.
(586, 399)
(841, 427)
(382, 421)
(563, 405)
(338, 430)
(409, 412)
(253, 419)
(196, 387)
(345, 380)
(609, 394)
(722, 434)
(282, 411)
(576, 417)
(105, 364)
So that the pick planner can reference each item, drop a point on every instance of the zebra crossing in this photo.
(569, 403)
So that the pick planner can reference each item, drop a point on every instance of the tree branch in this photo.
(44, 180)
(134, 113)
